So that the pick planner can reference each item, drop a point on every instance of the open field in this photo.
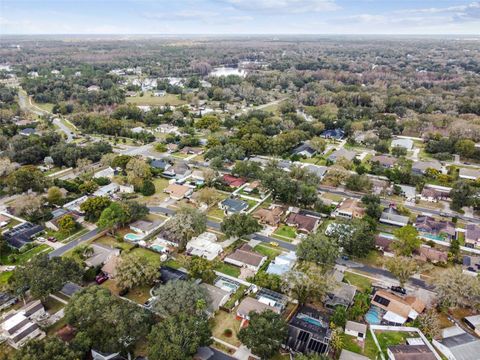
(149, 99)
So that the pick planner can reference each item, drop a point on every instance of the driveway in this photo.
(82, 239)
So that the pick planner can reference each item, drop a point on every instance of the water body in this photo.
(225, 71)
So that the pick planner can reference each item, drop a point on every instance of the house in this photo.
(107, 190)
(304, 150)
(58, 214)
(397, 310)
(342, 153)
(384, 161)
(160, 164)
(168, 129)
(458, 345)
(168, 274)
(350, 209)
(178, 170)
(427, 253)
(198, 175)
(105, 173)
(251, 187)
(100, 254)
(126, 189)
(473, 322)
(316, 170)
(403, 143)
(366, 137)
(420, 167)
(70, 289)
(348, 355)
(435, 193)
(75, 204)
(233, 206)
(97, 355)
(336, 134)
(429, 226)
(192, 150)
(472, 235)
(245, 257)
(110, 266)
(144, 227)
(410, 352)
(309, 331)
(471, 265)
(303, 223)
(249, 304)
(342, 294)
(356, 329)
(233, 181)
(177, 191)
(217, 297)
(380, 185)
(22, 234)
(204, 245)
(18, 327)
(469, 174)
(383, 243)
(392, 216)
(4, 220)
(282, 264)
(271, 216)
(27, 131)
(7, 300)
(408, 192)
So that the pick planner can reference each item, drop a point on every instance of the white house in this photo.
(204, 245)
(356, 329)
(403, 143)
(75, 204)
(144, 227)
(105, 173)
(107, 190)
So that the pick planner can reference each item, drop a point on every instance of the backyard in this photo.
(228, 269)
(224, 321)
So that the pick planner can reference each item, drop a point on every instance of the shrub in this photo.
(228, 332)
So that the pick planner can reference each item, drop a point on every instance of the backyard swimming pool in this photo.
(374, 315)
(158, 248)
(133, 237)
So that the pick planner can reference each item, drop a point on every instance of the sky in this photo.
(239, 17)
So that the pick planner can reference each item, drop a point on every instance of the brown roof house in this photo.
(303, 223)
(384, 244)
(244, 256)
(472, 235)
(384, 161)
(440, 229)
(396, 309)
(434, 193)
(427, 253)
(349, 209)
(250, 304)
(410, 352)
(177, 191)
(271, 216)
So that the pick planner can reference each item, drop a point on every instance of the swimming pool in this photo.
(133, 237)
(432, 237)
(374, 315)
(227, 285)
(311, 320)
(157, 248)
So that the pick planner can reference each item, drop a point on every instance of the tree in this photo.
(178, 337)
(44, 276)
(54, 195)
(247, 169)
(456, 289)
(336, 341)
(135, 270)
(47, 349)
(94, 206)
(178, 297)
(399, 151)
(308, 283)
(187, 223)
(208, 196)
(88, 187)
(465, 148)
(105, 322)
(313, 356)
(26, 178)
(67, 224)
(318, 143)
(372, 205)
(200, 268)
(339, 316)
(238, 225)
(429, 323)
(402, 268)
(148, 188)
(406, 240)
(358, 183)
(319, 249)
(137, 172)
(112, 217)
(462, 194)
(264, 334)
(29, 206)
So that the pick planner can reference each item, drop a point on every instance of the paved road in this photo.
(74, 243)
(64, 128)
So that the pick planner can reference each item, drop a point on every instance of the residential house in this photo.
(249, 304)
(22, 234)
(233, 206)
(410, 352)
(168, 129)
(168, 274)
(380, 185)
(304, 150)
(303, 223)
(336, 134)
(350, 209)
(188, 150)
(349, 355)
(171, 147)
(316, 170)
(177, 191)
(178, 170)
(309, 331)
(198, 175)
(365, 137)
(384, 244)
(7, 300)
(429, 226)
(126, 189)
(473, 322)
(282, 264)
(100, 254)
(27, 131)
(4, 220)
(396, 309)
(458, 345)
(420, 167)
(160, 164)
(356, 329)
(144, 227)
(97, 355)
(233, 181)
(272, 298)
(58, 214)
(109, 173)
(204, 245)
(392, 216)
(252, 186)
(341, 294)
(107, 190)
(217, 297)
(472, 235)
(75, 204)
(403, 143)
(70, 289)
(408, 192)
(427, 253)
(384, 161)
(245, 257)
(271, 216)
(469, 173)
(471, 265)
(435, 193)
(342, 153)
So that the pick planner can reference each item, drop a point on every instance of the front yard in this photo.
(286, 231)
(21, 258)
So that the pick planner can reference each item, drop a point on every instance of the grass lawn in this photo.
(139, 294)
(4, 276)
(52, 330)
(149, 99)
(228, 269)
(390, 338)
(362, 283)
(267, 251)
(287, 231)
(62, 236)
(173, 263)
(52, 305)
(26, 256)
(223, 321)
(332, 197)
(150, 255)
(110, 241)
(216, 212)
(44, 106)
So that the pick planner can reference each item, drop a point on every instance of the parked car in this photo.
(345, 257)
(101, 278)
(41, 239)
(399, 290)
(149, 303)
(52, 239)
(274, 243)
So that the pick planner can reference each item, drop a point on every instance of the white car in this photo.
(41, 239)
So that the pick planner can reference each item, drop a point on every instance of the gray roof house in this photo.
(404, 143)
(233, 206)
(462, 346)
(469, 174)
(317, 170)
(304, 150)
(347, 154)
(391, 216)
(419, 167)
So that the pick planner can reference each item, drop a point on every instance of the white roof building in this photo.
(106, 190)
(204, 245)
(107, 173)
(403, 143)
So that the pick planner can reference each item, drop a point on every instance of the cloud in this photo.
(283, 6)
(184, 15)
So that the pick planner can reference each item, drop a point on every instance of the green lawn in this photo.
(287, 231)
(62, 236)
(26, 256)
(267, 251)
(223, 321)
(149, 99)
(150, 255)
(139, 294)
(391, 338)
(52, 305)
(228, 269)
(216, 212)
(362, 283)
(4, 276)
